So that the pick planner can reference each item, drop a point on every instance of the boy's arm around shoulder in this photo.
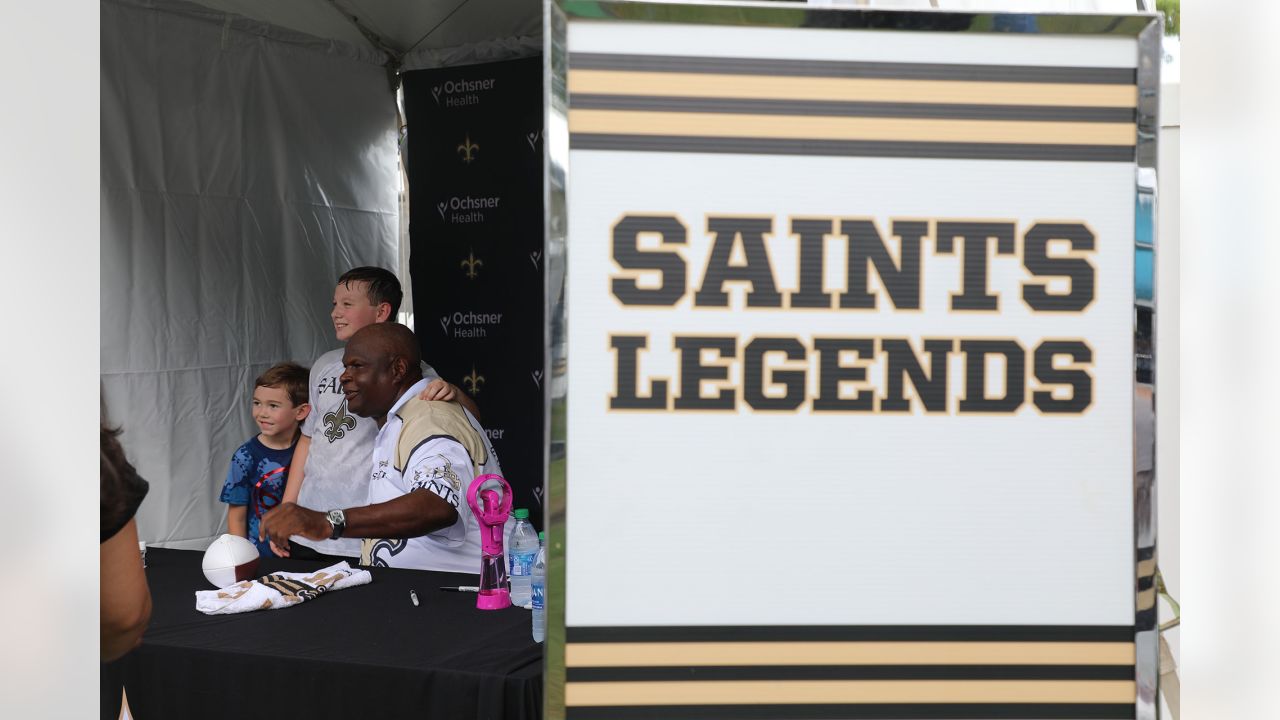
(445, 391)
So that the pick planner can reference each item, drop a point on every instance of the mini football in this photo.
(229, 560)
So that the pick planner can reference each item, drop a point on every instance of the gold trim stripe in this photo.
(611, 82)
(624, 122)
(744, 692)
(846, 653)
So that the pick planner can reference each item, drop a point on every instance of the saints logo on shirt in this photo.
(337, 423)
(438, 477)
(381, 550)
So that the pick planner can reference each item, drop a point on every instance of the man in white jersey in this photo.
(426, 453)
(330, 466)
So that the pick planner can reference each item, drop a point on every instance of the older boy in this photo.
(256, 479)
(331, 464)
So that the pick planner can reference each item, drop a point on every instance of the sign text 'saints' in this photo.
(1053, 375)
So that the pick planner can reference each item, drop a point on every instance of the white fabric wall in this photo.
(243, 169)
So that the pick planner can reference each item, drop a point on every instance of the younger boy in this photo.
(256, 480)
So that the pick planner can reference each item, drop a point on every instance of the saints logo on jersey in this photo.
(337, 423)
(439, 478)
(382, 550)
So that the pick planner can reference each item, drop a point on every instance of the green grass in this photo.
(553, 668)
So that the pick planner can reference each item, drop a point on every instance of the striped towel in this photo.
(279, 590)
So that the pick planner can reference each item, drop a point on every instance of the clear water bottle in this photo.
(507, 528)
(539, 588)
(524, 548)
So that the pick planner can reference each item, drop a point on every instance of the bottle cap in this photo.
(542, 537)
(522, 514)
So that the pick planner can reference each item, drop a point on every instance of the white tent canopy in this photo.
(436, 33)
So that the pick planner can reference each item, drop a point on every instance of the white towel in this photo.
(279, 590)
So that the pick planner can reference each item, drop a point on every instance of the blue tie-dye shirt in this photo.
(257, 478)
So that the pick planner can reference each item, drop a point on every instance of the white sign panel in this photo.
(851, 349)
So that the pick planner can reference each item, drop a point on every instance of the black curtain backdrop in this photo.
(476, 249)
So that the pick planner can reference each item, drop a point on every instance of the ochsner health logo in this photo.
(467, 208)
(458, 93)
(463, 325)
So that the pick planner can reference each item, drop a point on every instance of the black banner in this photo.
(476, 249)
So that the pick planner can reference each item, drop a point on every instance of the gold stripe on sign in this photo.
(617, 122)
(846, 653)
(764, 87)
(745, 692)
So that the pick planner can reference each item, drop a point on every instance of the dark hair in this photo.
(288, 376)
(120, 489)
(384, 287)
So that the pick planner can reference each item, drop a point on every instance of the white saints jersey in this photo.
(337, 470)
(437, 464)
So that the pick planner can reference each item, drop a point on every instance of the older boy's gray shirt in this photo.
(337, 470)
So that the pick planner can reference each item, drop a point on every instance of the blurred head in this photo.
(380, 363)
(118, 480)
(364, 296)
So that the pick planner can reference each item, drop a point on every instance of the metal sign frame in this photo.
(1146, 29)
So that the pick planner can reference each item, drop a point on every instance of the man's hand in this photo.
(439, 389)
(290, 519)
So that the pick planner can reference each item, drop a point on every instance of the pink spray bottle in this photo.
(490, 499)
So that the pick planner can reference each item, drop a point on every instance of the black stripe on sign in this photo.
(851, 148)
(835, 108)
(847, 69)
(876, 711)
(852, 633)
(853, 672)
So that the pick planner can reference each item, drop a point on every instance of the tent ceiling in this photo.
(404, 25)
(401, 25)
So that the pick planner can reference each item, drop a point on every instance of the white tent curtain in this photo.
(244, 167)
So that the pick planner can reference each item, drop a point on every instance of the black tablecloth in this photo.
(363, 652)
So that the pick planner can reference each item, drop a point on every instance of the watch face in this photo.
(338, 519)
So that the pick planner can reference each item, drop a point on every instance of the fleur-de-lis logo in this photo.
(468, 150)
(473, 381)
(338, 422)
(471, 263)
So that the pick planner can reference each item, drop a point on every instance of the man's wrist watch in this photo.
(338, 520)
